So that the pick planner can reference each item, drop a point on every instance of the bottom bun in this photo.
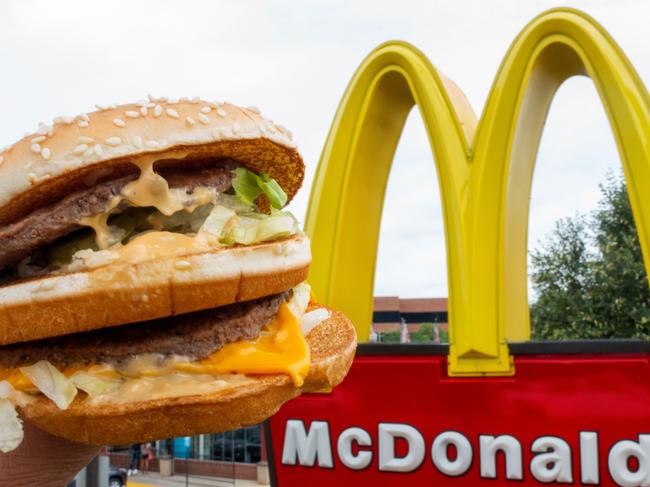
(332, 344)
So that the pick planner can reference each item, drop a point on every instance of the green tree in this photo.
(589, 276)
(391, 337)
(426, 333)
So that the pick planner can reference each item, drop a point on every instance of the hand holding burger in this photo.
(151, 284)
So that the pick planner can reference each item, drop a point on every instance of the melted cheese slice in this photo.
(281, 349)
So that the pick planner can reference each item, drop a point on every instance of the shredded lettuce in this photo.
(51, 382)
(247, 230)
(313, 318)
(234, 203)
(94, 385)
(215, 223)
(248, 186)
(11, 428)
(300, 299)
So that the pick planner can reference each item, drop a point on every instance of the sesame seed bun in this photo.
(118, 294)
(332, 344)
(74, 152)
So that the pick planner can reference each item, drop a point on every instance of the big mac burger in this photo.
(151, 284)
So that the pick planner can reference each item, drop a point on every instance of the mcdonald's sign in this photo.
(492, 405)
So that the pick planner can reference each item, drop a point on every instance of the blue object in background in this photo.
(182, 446)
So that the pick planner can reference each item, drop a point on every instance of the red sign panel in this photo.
(581, 419)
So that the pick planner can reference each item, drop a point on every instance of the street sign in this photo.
(400, 419)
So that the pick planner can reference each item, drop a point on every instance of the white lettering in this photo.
(388, 462)
(511, 448)
(344, 445)
(306, 447)
(589, 469)
(440, 457)
(553, 461)
(619, 468)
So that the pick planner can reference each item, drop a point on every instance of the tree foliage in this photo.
(589, 276)
(427, 334)
(391, 337)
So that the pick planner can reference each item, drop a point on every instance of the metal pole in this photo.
(187, 467)
(97, 472)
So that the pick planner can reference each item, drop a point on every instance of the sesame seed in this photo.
(157, 111)
(132, 114)
(221, 133)
(82, 123)
(112, 106)
(137, 141)
(194, 100)
(98, 150)
(152, 143)
(172, 113)
(100, 107)
(85, 117)
(84, 139)
(172, 101)
(190, 121)
(67, 119)
(151, 97)
(254, 110)
(113, 141)
(35, 148)
(143, 111)
(119, 122)
(141, 103)
(184, 99)
(182, 264)
(284, 130)
(80, 149)
(89, 152)
(213, 104)
(204, 119)
(31, 177)
(206, 109)
(221, 112)
(266, 125)
(43, 129)
(45, 153)
(163, 99)
(38, 139)
(57, 120)
(151, 105)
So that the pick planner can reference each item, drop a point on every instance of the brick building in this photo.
(389, 311)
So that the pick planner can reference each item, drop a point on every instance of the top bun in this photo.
(75, 152)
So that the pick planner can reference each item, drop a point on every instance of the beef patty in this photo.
(22, 238)
(196, 335)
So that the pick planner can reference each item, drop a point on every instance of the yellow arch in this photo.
(485, 180)
(347, 196)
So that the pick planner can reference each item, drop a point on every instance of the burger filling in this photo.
(196, 353)
(220, 205)
(130, 219)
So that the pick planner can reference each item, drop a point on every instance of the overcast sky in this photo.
(294, 60)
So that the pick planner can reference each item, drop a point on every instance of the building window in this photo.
(242, 445)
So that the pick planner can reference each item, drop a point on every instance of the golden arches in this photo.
(485, 179)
